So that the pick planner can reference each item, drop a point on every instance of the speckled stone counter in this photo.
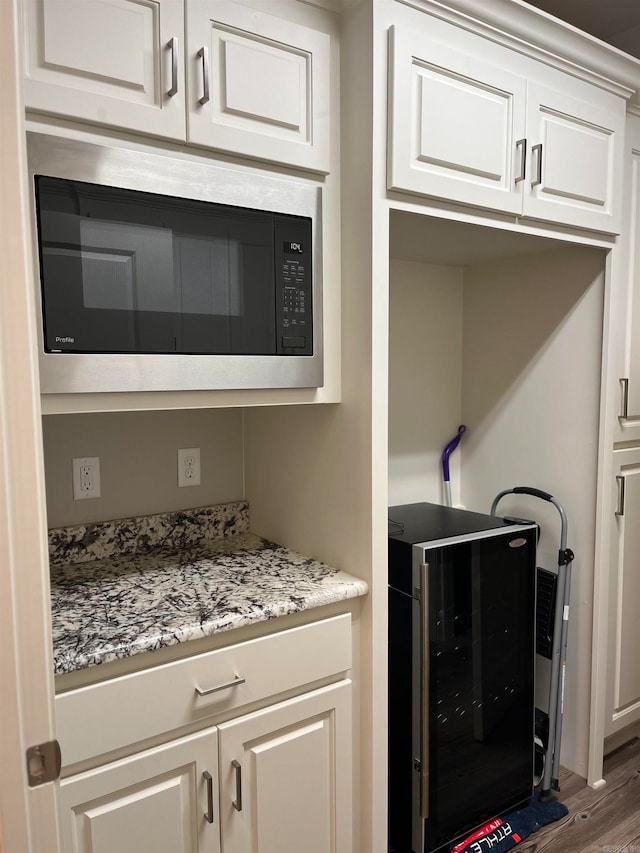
(164, 580)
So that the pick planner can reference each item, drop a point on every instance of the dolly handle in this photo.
(536, 493)
(545, 496)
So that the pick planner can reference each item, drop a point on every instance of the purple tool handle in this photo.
(446, 453)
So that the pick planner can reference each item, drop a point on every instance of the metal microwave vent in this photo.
(546, 583)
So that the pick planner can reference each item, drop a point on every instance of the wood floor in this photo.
(604, 821)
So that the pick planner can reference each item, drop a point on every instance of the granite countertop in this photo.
(116, 594)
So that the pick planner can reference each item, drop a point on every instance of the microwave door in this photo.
(127, 271)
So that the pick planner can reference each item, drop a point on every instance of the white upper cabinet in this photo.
(454, 124)
(473, 132)
(577, 157)
(627, 302)
(110, 62)
(258, 85)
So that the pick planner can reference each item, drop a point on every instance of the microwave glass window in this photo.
(210, 269)
(126, 266)
(128, 271)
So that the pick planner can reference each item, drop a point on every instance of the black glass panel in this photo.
(481, 654)
(125, 271)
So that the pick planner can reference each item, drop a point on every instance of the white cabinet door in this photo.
(627, 297)
(576, 160)
(157, 801)
(285, 776)
(258, 85)
(111, 62)
(623, 689)
(454, 124)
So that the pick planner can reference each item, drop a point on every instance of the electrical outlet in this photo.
(86, 477)
(189, 466)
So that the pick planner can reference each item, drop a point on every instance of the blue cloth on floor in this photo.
(503, 833)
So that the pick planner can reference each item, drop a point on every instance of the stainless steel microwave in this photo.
(164, 274)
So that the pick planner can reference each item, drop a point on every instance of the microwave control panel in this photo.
(292, 243)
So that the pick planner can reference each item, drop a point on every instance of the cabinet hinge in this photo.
(43, 763)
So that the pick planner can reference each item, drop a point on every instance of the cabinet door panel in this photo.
(294, 761)
(628, 308)
(623, 707)
(579, 168)
(155, 800)
(259, 85)
(107, 62)
(454, 124)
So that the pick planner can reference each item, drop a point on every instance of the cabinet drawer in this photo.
(103, 717)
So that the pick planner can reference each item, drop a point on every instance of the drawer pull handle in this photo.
(624, 384)
(538, 179)
(621, 483)
(522, 145)
(172, 44)
(204, 54)
(237, 681)
(237, 803)
(209, 780)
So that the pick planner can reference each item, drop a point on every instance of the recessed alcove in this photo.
(502, 332)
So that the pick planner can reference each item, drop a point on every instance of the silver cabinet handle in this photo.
(538, 179)
(209, 780)
(237, 803)
(172, 44)
(424, 690)
(624, 409)
(522, 145)
(621, 495)
(204, 53)
(237, 681)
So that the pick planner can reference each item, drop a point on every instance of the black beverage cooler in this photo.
(461, 672)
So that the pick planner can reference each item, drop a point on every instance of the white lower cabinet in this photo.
(285, 785)
(270, 779)
(157, 801)
(623, 694)
(285, 776)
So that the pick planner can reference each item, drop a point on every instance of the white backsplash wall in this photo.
(138, 461)
(425, 378)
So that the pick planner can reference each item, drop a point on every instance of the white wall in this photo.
(138, 461)
(531, 391)
(425, 378)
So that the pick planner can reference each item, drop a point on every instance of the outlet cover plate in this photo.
(86, 477)
(189, 466)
